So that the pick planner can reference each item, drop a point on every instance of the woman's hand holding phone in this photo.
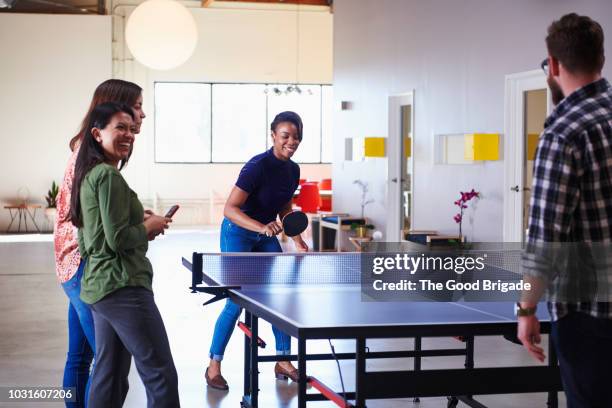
(147, 214)
(155, 225)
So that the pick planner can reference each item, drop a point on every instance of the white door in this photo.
(400, 173)
(527, 103)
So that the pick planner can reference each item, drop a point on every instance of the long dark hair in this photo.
(91, 153)
(111, 90)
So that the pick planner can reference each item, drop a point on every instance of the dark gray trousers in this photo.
(127, 323)
(584, 348)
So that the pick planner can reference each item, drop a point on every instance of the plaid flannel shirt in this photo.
(571, 201)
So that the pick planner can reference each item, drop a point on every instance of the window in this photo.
(229, 123)
(182, 123)
(239, 122)
(327, 101)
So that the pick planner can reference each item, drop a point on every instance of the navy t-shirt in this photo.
(270, 183)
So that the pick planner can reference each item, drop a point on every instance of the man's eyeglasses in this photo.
(544, 66)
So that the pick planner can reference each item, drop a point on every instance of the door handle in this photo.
(515, 189)
(394, 179)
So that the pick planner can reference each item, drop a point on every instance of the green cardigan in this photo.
(113, 239)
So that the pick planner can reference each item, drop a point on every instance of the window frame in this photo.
(212, 84)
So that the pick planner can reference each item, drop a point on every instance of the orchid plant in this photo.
(462, 204)
(364, 193)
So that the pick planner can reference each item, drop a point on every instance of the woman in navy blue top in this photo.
(264, 191)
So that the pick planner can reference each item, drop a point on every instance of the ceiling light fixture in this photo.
(161, 34)
(292, 88)
(289, 89)
(296, 88)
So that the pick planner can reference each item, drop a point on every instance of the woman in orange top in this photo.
(68, 263)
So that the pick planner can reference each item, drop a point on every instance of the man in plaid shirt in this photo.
(571, 206)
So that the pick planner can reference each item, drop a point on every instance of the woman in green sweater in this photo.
(117, 279)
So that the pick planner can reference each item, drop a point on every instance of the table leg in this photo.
(417, 350)
(320, 236)
(469, 364)
(360, 372)
(469, 356)
(247, 356)
(254, 361)
(552, 362)
(32, 217)
(302, 373)
(25, 219)
(13, 217)
(22, 215)
(417, 359)
(469, 352)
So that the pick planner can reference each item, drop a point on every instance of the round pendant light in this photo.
(161, 34)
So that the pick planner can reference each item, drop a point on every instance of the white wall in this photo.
(454, 54)
(49, 67)
(258, 44)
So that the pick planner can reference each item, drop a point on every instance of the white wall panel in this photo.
(454, 54)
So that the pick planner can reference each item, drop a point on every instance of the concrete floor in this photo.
(33, 342)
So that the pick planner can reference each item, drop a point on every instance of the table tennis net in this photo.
(286, 269)
(320, 268)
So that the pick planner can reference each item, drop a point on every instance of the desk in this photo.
(340, 223)
(432, 238)
(22, 212)
(444, 239)
(318, 296)
(358, 242)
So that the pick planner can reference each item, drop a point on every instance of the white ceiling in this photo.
(53, 6)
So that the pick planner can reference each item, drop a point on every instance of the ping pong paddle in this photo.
(294, 223)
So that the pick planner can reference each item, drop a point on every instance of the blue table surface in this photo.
(323, 290)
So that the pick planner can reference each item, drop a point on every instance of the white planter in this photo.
(50, 214)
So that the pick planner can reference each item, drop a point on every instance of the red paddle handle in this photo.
(247, 330)
(329, 393)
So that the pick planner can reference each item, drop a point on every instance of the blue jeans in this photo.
(81, 341)
(238, 239)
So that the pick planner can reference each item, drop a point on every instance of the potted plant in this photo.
(51, 199)
(361, 230)
(462, 204)
(363, 186)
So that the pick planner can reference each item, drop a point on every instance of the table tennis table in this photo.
(318, 296)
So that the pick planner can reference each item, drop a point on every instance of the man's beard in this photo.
(555, 91)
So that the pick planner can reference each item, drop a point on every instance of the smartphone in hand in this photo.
(172, 211)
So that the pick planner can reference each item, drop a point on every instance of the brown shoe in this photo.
(218, 382)
(283, 374)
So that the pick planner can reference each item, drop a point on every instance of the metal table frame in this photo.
(456, 384)
(22, 212)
